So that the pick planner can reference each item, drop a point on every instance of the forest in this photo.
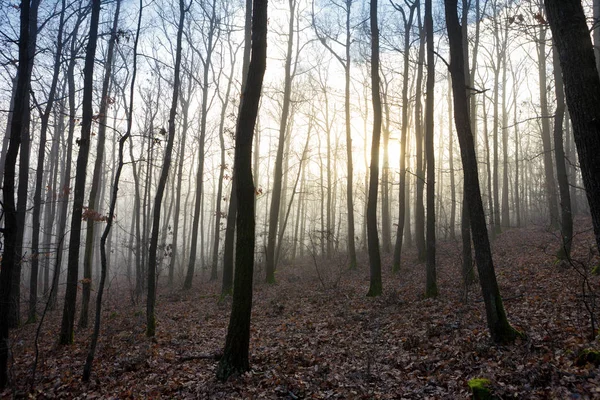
(370, 199)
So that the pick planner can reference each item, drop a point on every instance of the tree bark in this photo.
(68, 318)
(228, 245)
(276, 192)
(213, 27)
(39, 175)
(420, 170)
(372, 235)
(397, 260)
(93, 201)
(582, 90)
(431, 284)
(10, 256)
(87, 369)
(500, 329)
(235, 355)
(164, 173)
(546, 140)
(566, 218)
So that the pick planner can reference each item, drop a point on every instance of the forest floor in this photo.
(316, 335)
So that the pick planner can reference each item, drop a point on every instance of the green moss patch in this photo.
(480, 387)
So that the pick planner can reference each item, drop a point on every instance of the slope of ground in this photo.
(316, 335)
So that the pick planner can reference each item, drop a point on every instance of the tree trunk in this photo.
(546, 141)
(278, 168)
(372, 235)
(23, 186)
(451, 164)
(386, 225)
(200, 175)
(431, 285)
(164, 173)
(93, 201)
(397, 260)
(39, 175)
(87, 369)
(420, 170)
(566, 220)
(500, 329)
(582, 90)
(68, 318)
(228, 248)
(10, 256)
(235, 355)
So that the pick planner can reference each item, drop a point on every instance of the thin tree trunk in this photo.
(451, 164)
(276, 192)
(550, 184)
(213, 27)
(372, 235)
(87, 369)
(566, 225)
(152, 259)
(93, 201)
(420, 171)
(402, 203)
(39, 176)
(431, 284)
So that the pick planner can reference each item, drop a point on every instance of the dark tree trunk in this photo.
(68, 318)
(431, 285)
(185, 105)
(396, 263)
(372, 235)
(550, 183)
(582, 90)
(566, 220)
(39, 174)
(87, 369)
(235, 355)
(278, 168)
(228, 248)
(162, 182)
(500, 329)
(420, 169)
(213, 26)
(24, 155)
(93, 201)
(10, 256)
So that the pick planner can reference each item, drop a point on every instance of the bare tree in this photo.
(431, 285)
(93, 202)
(87, 369)
(164, 173)
(500, 329)
(582, 90)
(235, 354)
(68, 318)
(345, 61)
(372, 235)
(408, 21)
(39, 175)
(276, 192)
(20, 119)
(211, 34)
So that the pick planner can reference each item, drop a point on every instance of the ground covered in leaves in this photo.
(316, 335)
